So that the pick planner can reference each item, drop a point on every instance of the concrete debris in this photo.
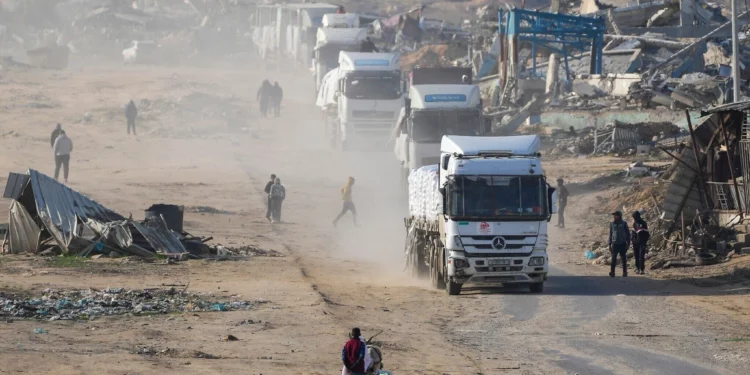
(91, 304)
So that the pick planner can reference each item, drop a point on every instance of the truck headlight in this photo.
(461, 263)
(457, 244)
(536, 261)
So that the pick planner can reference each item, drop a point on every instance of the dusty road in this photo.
(330, 278)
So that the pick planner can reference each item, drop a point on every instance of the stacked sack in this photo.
(425, 201)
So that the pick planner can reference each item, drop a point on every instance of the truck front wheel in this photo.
(536, 287)
(452, 288)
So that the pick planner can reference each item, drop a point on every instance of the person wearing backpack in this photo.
(354, 354)
(619, 242)
(278, 194)
(640, 239)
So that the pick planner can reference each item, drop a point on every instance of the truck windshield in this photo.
(488, 197)
(328, 55)
(386, 87)
(429, 126)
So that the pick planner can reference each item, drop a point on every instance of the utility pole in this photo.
(735, 55)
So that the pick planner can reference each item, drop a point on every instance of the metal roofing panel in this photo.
(61, 205)
(155, 230)
(15, 185)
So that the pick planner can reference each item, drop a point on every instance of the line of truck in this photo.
(478, 205)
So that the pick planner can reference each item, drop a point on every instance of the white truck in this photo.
(370, 95)
(480, 215)
(329, 43)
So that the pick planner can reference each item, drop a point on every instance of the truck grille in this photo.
(496, 255)
(373, 114)
(499, 269)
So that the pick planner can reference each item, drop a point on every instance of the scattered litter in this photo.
(40, 330)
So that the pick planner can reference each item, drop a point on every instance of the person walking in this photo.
(131, 112)
(562, 201)
(353, 354)
(62, 148)
(276, 95)
(619, 242)
(346, 196)
(640, 240)
(269, 208)
(278, 194)
(55, 133)
(264, 95)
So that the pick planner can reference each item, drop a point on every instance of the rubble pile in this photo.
(614, 138)
(91, 304)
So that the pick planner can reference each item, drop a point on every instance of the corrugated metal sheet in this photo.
(155, 230)
(15, 185)
(60, 205)
(682, 195)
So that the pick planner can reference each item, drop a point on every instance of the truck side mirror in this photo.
(444, 161)
(407, 106)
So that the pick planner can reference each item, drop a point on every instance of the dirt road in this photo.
(330, 279)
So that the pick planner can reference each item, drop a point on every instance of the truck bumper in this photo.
(483, 270)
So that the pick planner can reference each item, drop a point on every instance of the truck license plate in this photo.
(499, 262)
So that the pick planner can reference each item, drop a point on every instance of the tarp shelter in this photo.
(44, 210)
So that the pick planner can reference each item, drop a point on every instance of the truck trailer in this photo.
(479, 216)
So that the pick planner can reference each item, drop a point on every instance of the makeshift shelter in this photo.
(47, 213)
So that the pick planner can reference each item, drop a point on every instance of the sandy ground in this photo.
(330, 279)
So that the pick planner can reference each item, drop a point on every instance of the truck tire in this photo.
(436, 278)
(536, 287)
(452, 288)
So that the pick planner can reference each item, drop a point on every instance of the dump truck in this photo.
(479, 216)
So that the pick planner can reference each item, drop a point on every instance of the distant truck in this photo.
(369, 97)
(330, 42)
(442, 101)
(479, 216)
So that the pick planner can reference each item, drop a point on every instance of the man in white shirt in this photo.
(62, 149)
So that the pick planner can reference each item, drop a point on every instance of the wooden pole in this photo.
(731, 167)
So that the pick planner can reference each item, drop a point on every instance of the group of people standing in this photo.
(620, 236)
(276, 193)
(269, 98)
(620, 239)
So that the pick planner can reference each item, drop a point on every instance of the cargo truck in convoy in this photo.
(329, 43)
(441, 101)
(369, 97)
(479, 216)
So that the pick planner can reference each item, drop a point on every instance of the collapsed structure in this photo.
(45, 213)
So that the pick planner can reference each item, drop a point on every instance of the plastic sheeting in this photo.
(23, 232)
(425, 201)
(328, 88)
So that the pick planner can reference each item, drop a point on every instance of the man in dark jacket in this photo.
(276, 95)
(368, 46)
(268, 194)
(264, 96)
(55, 133)
(353, 354)
(131, 112)
(619, 242)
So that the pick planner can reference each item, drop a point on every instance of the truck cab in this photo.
(329, 44)
(441, 101)
(370, 97)
(496, 205)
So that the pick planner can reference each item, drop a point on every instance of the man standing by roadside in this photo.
(346, 196)
(263, 97)
(562, 201)
(62, 148)
(131, 112)
(640, 241)
(55, 133)
(353, 354)
(268, 195)
(619, 242)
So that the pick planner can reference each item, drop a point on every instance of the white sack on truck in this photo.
(425, 201)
